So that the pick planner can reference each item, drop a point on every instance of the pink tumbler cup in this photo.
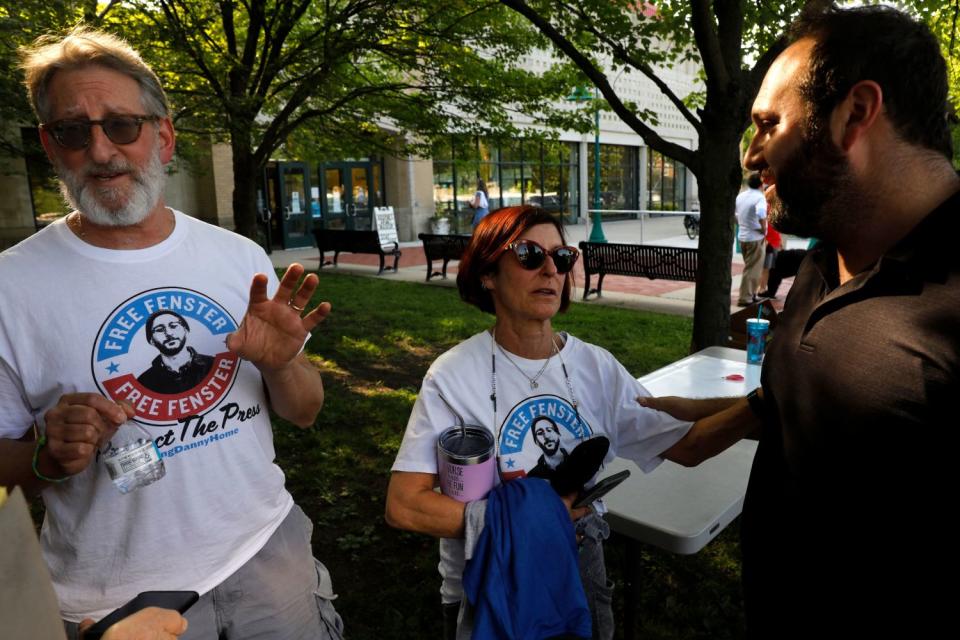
(465, 461)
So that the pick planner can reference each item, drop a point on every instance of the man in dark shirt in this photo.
(178, 367)
(846, 527)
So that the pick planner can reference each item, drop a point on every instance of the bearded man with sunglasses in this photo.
(518, 268)
(78, 299)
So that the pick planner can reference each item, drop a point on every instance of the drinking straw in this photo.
(463, 426)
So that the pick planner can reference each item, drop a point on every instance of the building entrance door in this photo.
(351, 191)
(287, 185)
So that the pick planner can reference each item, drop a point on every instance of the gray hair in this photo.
(84, 47)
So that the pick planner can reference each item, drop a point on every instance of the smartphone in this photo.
(176, 600)
(602, 488)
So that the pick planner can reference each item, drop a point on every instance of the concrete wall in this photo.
(221, 164)
(16, 211)
(408, 186)
(203, 189)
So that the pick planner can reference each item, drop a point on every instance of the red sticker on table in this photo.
(734, 377)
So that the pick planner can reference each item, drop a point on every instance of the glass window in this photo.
(443, 149)
(376, 194)
(443, 188)
(515, 172)
(667, 183)
(618, 180)
(511, 184)
(511, 150)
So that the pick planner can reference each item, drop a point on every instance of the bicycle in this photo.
(692, 225)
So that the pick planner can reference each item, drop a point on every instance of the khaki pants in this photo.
(752, 267)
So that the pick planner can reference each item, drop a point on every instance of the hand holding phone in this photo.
(178, 601)
(602, 488)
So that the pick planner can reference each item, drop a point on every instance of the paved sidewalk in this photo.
(665, 296)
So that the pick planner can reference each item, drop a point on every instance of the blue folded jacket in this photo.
(523, 580)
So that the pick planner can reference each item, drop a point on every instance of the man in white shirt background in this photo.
(751, 211)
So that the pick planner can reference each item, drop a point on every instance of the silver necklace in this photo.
(493, 382)
(533, 380)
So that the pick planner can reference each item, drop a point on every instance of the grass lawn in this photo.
(373, 352)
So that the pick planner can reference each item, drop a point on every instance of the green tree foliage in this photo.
(734, 42)
(314, 78)
(20, 24)
(944, 19)
(337, 75)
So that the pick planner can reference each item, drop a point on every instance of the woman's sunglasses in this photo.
(531, 255)
(75, 134)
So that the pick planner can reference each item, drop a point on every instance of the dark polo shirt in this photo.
(848, 520)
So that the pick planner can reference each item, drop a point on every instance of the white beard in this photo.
(111, 206)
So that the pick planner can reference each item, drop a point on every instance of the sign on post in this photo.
(386, 224)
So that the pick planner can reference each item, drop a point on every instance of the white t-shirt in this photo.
(73, 319)
(751, 209)
(481, 199)
(604, 390)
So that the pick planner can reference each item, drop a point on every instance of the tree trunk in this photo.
(245, 180)
(719, 181)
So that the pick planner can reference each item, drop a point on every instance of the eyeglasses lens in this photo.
(122, 130)
(564, 259)
(532, 256)
(75, 134)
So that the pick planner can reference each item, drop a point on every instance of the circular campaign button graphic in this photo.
(163, 352)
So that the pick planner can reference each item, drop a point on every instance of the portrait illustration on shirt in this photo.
(178, 367)
(546, 435)
(537, 435)
(162, 351)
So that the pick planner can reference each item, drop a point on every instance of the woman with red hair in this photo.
(539, 392)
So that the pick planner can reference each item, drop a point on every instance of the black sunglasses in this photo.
(531, 255)
(75, 134)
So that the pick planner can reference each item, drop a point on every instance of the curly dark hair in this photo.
(889, 47)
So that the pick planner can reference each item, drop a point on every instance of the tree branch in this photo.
(709, 46)
(599, 79)
(621, 53)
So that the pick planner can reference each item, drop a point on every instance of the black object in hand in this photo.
(177, 600)
(579, 466)
(602, 488)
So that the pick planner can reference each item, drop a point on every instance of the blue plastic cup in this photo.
(757, 331)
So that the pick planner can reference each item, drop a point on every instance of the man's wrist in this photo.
(36, 463)
(756, 403)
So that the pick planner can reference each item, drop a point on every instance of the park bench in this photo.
(642, 260)
(354, 241)
(444, 247)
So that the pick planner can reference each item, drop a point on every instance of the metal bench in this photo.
(353, 241)
(641, 260)
(444, 247)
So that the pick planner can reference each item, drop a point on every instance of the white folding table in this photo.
(676, 508)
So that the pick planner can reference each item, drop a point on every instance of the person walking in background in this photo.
(751, 211)
(786, 265)
(480, 203)
(771, 254)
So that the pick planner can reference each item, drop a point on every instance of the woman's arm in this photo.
(689, 409)
(413, 505)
